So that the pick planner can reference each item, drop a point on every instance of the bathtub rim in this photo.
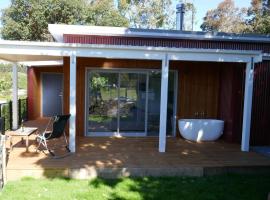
(200, 119)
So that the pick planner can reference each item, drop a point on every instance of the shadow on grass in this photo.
(215, 187)
(130, 188)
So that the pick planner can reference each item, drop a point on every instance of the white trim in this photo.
(86, 101)
(212, 57)
(49, 49)
(146, 103)
(72, 104)
(117, 71)
(43, 63)
(58, 31)
(15, 97)
(118, 101)
(163, 104)
(266, 56)
(247, 105)
(176, 87)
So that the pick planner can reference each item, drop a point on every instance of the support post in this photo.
(14, 97)
(247, 105)
(72, 104)
(163, 104)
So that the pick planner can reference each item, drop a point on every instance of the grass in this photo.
(231, 187)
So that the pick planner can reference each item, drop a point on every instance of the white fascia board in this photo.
(266, 56)
(124, 52)
(58, 30)
(213, 57)
(43, 63)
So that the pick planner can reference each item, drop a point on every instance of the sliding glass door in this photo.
(103, 102)
(132, 102)
(125, 102)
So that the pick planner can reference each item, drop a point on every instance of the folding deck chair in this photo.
(58, 130)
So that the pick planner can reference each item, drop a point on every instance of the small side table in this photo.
(25, 133)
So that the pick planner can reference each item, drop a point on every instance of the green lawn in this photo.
(216, 187)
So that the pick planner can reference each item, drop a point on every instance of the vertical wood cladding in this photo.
(198, 89)
(215, 89)
(231, 100)
(34, 88)
(260, 129)
(161, 42)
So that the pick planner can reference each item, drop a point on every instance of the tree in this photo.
(258, 19)
(148, 13)
(29, 19)
(225, 18)
(104, 13)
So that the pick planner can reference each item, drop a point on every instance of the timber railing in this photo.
(6, 112)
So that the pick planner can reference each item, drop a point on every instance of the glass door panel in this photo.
(103, 102)
(132, 101)
(171, 103)
(128, 103)
(154, 103)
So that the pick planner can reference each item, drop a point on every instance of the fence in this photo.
(6, 112)
(2, 160)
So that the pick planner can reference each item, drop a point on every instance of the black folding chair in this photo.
(58, 130)
(2, 125)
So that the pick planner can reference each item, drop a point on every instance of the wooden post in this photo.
(14, 97)
(247, 105)
(163, 104)
(72, 104)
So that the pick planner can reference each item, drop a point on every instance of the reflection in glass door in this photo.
(132, 102)
(154, 103)
(125, 102)
(103, 102)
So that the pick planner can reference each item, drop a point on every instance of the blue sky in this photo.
(201, 5)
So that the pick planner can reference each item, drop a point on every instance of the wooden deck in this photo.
(114, 157)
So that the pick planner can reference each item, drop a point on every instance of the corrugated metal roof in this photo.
(58, 30)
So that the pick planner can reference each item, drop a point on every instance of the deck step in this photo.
(91, 172)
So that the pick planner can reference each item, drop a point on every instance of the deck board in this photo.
(113, 157)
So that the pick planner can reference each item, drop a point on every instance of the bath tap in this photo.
(203, 114)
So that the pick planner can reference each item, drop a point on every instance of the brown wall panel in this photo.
(166, 42)
(33, 94)
(260, 120)
(231, 99)
(34, 89)
(215, 89)
(198, 84)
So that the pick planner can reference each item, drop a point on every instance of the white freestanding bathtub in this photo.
(201, 129)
